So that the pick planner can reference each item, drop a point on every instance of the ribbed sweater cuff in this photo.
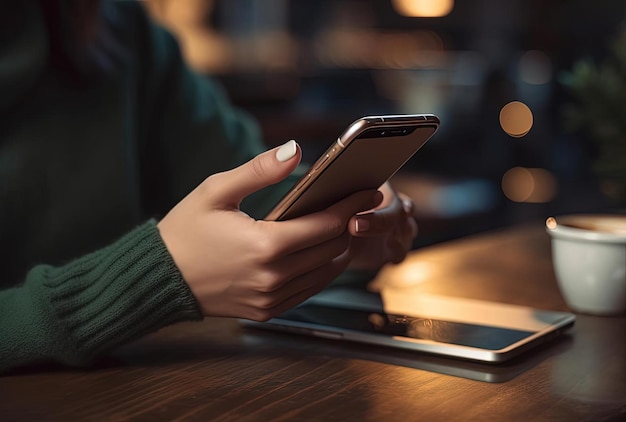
(118, 294)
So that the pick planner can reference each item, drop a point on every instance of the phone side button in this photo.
(327, 334)
(321, 163)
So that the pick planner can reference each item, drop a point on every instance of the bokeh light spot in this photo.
(423, 8)
(534, 185)
(516, 119)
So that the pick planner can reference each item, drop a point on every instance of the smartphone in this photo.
(366, 155)
(467, 329)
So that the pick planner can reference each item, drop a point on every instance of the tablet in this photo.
(441, 325)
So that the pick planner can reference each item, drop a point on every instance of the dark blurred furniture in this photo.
(218, 371)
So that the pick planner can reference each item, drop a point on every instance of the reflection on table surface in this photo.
(218, 370)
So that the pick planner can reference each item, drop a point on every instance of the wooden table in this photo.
(218, 371)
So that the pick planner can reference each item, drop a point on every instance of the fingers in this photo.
(406, 232)
(374, 223)
(229, 188)
(383, 235)
(304, 261)
(383, 221)
(299, 289)
(409, 210)
(379, 221)
(312, 229)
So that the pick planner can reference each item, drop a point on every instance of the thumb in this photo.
(231, 187)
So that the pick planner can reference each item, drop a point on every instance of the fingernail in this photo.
(408, 206)
(362, 225)
(287, 151)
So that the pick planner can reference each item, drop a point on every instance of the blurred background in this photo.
(530, 93)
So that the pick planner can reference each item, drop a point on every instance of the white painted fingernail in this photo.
(287, 151)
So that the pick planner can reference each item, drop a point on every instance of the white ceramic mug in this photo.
(589, 257)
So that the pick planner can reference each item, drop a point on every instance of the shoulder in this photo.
(132, 29)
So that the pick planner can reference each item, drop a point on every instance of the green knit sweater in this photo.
(86, 166)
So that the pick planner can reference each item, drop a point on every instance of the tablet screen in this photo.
(463, 334)
(449, 326)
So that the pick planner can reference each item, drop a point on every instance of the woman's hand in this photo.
(384, 234)
(239, 267)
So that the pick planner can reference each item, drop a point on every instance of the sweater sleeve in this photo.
(184, 129)
(73, 314)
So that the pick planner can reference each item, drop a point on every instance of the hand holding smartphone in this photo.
(366, 155)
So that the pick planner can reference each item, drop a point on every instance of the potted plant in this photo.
(598, 110)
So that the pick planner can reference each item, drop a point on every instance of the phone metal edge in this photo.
(350, 134)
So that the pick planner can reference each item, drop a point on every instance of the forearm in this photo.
(75, 313)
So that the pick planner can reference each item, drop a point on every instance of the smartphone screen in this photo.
(365, 156)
